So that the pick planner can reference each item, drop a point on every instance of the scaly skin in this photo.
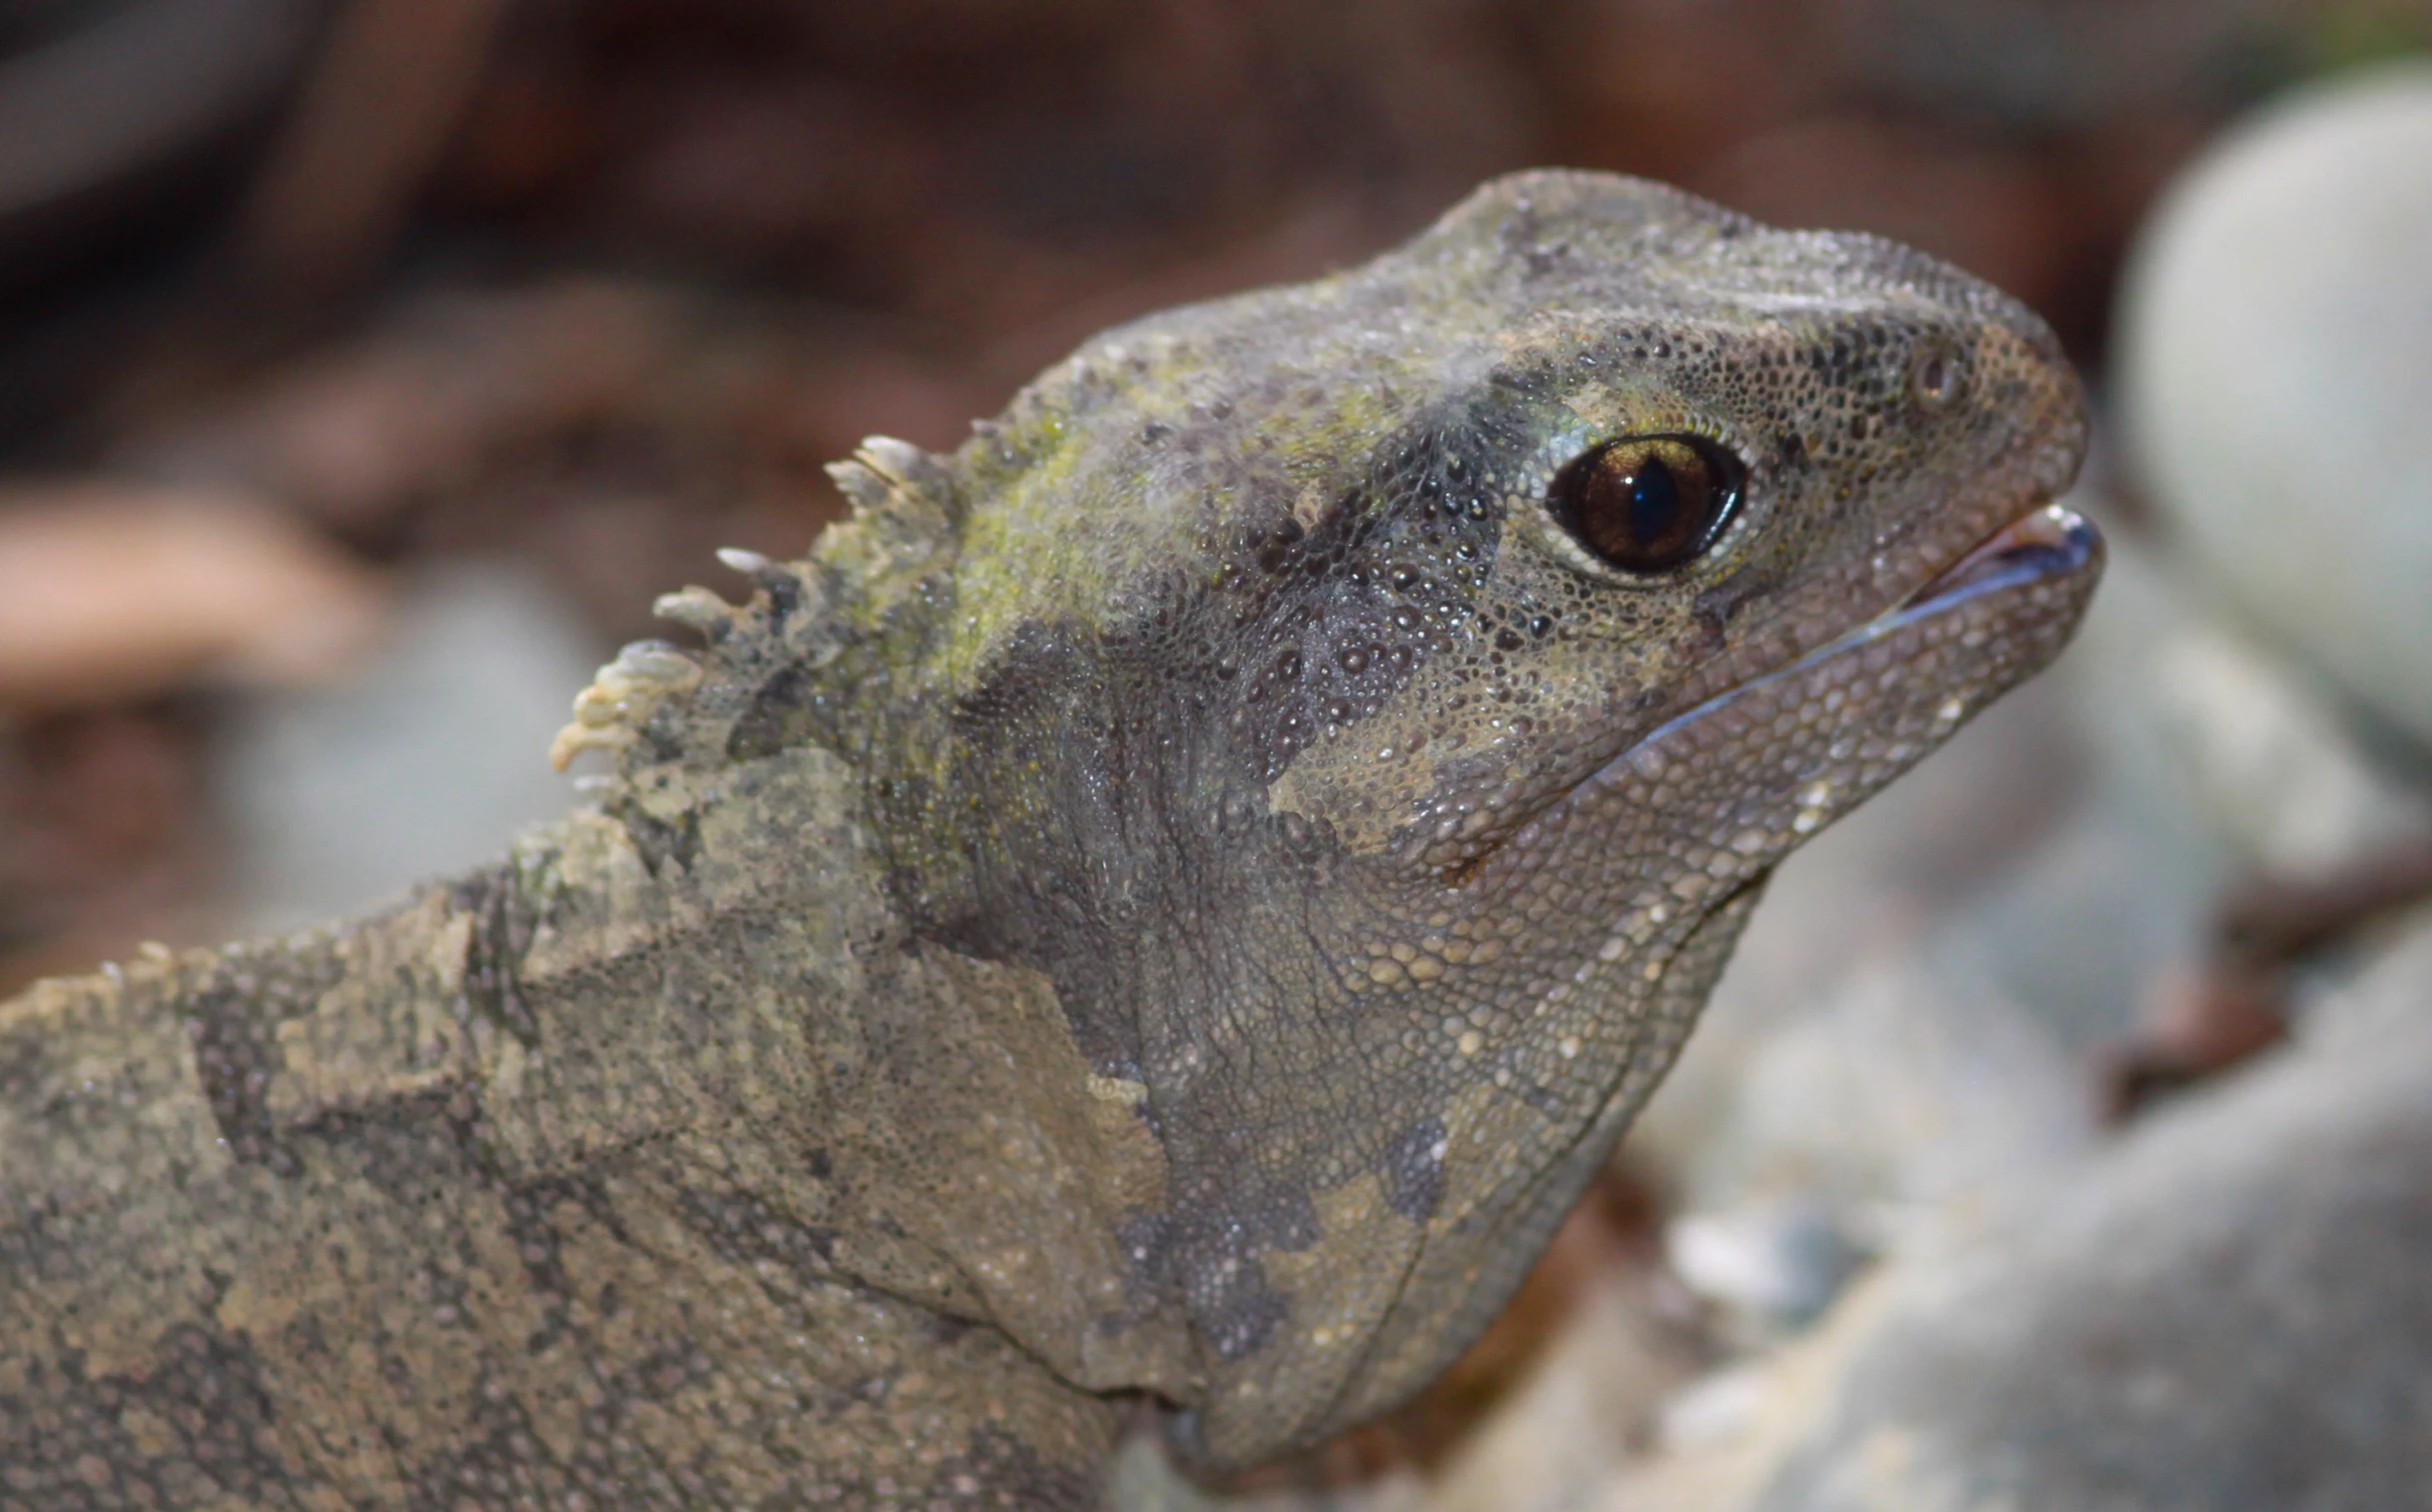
(1174, 899)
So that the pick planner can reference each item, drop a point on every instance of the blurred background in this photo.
(367, 366)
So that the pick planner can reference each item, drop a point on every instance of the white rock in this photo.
(2278, 774)
(2275, 366)
(422, 765)
(1904, 1097)
(2228, 1312)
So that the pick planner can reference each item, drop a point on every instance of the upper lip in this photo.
(2046, 539)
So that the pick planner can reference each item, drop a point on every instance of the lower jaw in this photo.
(2046, 543)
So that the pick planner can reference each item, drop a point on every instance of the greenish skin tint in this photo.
(1170, 904)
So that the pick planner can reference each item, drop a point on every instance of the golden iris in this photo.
(1647, 504)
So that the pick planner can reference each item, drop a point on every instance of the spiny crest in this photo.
(664, 709)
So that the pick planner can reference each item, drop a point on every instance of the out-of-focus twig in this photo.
(2278, 919)
(392, 81)
(2236, 1001)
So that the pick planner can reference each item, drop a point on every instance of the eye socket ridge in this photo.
(1645, 504)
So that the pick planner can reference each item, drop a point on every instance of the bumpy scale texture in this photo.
(1171, 902)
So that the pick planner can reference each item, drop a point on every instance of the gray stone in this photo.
(421, 764)
(2275, 369)
(1902, 1092)
(1775, 1265)
(2232, 1312)
(2282, 779)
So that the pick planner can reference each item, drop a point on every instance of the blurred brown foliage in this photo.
(985, 182)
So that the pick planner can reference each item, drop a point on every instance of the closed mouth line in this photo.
(2046, 541)
(2042, 543)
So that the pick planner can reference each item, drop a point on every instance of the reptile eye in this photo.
(1647, 504)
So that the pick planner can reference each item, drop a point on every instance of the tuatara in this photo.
(1170, 904)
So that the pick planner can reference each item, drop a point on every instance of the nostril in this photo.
(1935, 374)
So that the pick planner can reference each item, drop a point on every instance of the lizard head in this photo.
(1374, 704)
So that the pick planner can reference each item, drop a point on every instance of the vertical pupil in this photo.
(1645, 504)
(1654, 502)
